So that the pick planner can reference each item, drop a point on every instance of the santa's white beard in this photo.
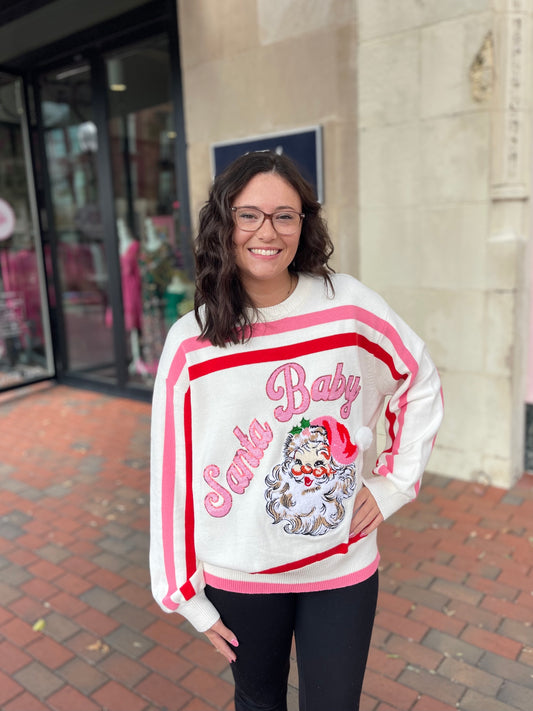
(310, 510)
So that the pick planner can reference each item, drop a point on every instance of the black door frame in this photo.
(155, 17)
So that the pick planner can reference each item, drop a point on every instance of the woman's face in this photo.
(263, 256)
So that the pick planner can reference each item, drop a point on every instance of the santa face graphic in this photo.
(312, 465)
(307, 490)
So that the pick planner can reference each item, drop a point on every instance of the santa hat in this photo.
(343, 450)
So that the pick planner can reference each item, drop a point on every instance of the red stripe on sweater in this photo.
(317, 345)
(341, 548)
(187, 590)
(190, 550)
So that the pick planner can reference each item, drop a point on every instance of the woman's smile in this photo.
(265, 252)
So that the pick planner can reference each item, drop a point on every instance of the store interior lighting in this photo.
(115, 75)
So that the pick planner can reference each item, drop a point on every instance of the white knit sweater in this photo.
(258, 448)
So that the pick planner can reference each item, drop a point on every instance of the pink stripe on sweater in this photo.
(167, 502)
(336, 313)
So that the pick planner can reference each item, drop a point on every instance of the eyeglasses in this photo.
(250, 219)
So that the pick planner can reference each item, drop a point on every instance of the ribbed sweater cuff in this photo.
(199, 611)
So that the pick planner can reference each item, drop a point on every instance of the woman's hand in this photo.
(219, 636)
(366, 515)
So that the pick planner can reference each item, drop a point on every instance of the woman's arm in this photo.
(177, 577)
(412, 418)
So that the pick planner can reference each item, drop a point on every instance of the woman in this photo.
(264, 509)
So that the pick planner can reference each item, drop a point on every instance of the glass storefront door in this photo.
(25, 342)
(71, 146)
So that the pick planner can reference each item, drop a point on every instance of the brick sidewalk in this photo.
(453, 629)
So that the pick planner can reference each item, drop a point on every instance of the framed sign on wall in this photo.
(304, 146)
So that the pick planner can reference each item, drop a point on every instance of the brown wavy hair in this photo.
(227, 311)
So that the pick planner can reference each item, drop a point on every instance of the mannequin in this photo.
(175, 293)
(125, 240)
(131, 292)
(157, 268)
(152, 242)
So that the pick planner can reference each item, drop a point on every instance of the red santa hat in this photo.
(343, 450)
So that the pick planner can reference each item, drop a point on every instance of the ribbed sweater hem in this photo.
(251, 587)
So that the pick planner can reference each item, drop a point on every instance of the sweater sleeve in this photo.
(177, 577)
(412, 418)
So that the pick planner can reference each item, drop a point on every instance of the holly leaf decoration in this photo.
(299, 428)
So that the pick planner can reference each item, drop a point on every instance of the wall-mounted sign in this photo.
(304, 146)
(7, 220)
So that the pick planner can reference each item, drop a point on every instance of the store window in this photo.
(25, 344)
(153, 244)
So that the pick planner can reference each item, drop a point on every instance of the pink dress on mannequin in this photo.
(131, 287)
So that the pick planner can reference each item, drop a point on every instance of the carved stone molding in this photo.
(511, 130)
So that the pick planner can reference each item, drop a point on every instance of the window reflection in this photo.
(155, 287)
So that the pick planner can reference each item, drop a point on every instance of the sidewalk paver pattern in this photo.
(79, 630)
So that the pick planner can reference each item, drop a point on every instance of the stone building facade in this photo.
(425, 109)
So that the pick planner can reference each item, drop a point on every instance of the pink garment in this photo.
(131, 287)
(77, 267)
(20, 276)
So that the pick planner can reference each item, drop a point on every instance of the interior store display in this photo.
(144, 181)
(25, 351)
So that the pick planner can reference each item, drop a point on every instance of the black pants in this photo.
(332, 631)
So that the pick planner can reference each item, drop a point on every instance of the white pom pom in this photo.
(363, 438)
